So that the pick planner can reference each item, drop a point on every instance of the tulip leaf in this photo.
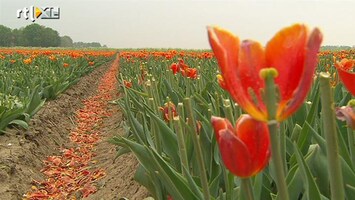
(169, 141)
(177, 187)
(20, 123)
(310, 186)
(195, 189)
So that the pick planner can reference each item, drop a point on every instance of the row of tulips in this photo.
(29, 77)
(255, 123)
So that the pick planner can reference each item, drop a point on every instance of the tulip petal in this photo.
(251, 60)
(347, 77)
(226, 49)
(235, 154)
(286, 53)
(346, 113)
(255, 135)
(244, 150)
(304, 86)
(219, 124)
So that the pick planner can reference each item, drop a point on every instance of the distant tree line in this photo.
(336, 48)
(35, 35)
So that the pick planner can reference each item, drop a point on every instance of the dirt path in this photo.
(22, 152)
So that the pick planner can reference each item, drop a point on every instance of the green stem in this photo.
(283, 146)
(271, 104)
(228, 110)
(181, 143)
(246, 189)
(197, 147)
(226, 182)
(351, 143)
(330, 132)
(154, 128)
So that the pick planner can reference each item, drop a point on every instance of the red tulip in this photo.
(292, 52)
(165, 110)
(127, 84)
(189, 72)
(221, 82)
(347, 76)
(245, 149)
(175, 68)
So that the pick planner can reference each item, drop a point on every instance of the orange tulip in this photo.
(245, 149)
(292, 52)
(27, 61)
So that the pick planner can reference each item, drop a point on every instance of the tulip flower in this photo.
(221, 82)
(127, 84)
(347, 76)
(245, 149)
(175, 68)
(165, 110)
(346, 113)
(292, 52)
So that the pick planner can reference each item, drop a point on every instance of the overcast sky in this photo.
(182, 23)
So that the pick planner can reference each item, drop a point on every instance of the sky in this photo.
(182, 23)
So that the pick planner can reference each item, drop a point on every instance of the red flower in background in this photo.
(185, 70)
(292, 52)
(345, 71)
(65, 65)
(245, 149)
(221, 82)
(165, 110)
(127, 84)
(190, 73)
(175, 68)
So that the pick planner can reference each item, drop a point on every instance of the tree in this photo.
(40, 36)
(66, 41)
(18, 38)
(50, 38)
(87, 44)
(5, 36)
(32, 35)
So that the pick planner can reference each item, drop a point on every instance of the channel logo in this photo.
(33, 13)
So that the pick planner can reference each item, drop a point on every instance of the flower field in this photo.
(29, 77)
(243, 121)
(199, 123)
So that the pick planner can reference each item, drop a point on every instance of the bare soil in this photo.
(22, 151)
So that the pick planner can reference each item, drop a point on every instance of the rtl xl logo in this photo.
(34, 13)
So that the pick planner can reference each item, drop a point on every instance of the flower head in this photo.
(169, 106)
(347, 75)
(65, 65)
(346, 113)
(292, 52)
(245, 149)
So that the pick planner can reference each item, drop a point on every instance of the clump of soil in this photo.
(22, 152)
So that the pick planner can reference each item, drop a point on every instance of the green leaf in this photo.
(310, 186)
(20, 123)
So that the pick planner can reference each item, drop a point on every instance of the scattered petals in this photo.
(70, 172)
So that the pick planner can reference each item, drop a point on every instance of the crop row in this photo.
(30, 77)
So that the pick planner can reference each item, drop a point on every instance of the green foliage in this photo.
(35, 35)
(5, 36)
(25, 87)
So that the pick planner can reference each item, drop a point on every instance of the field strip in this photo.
(69, 175)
